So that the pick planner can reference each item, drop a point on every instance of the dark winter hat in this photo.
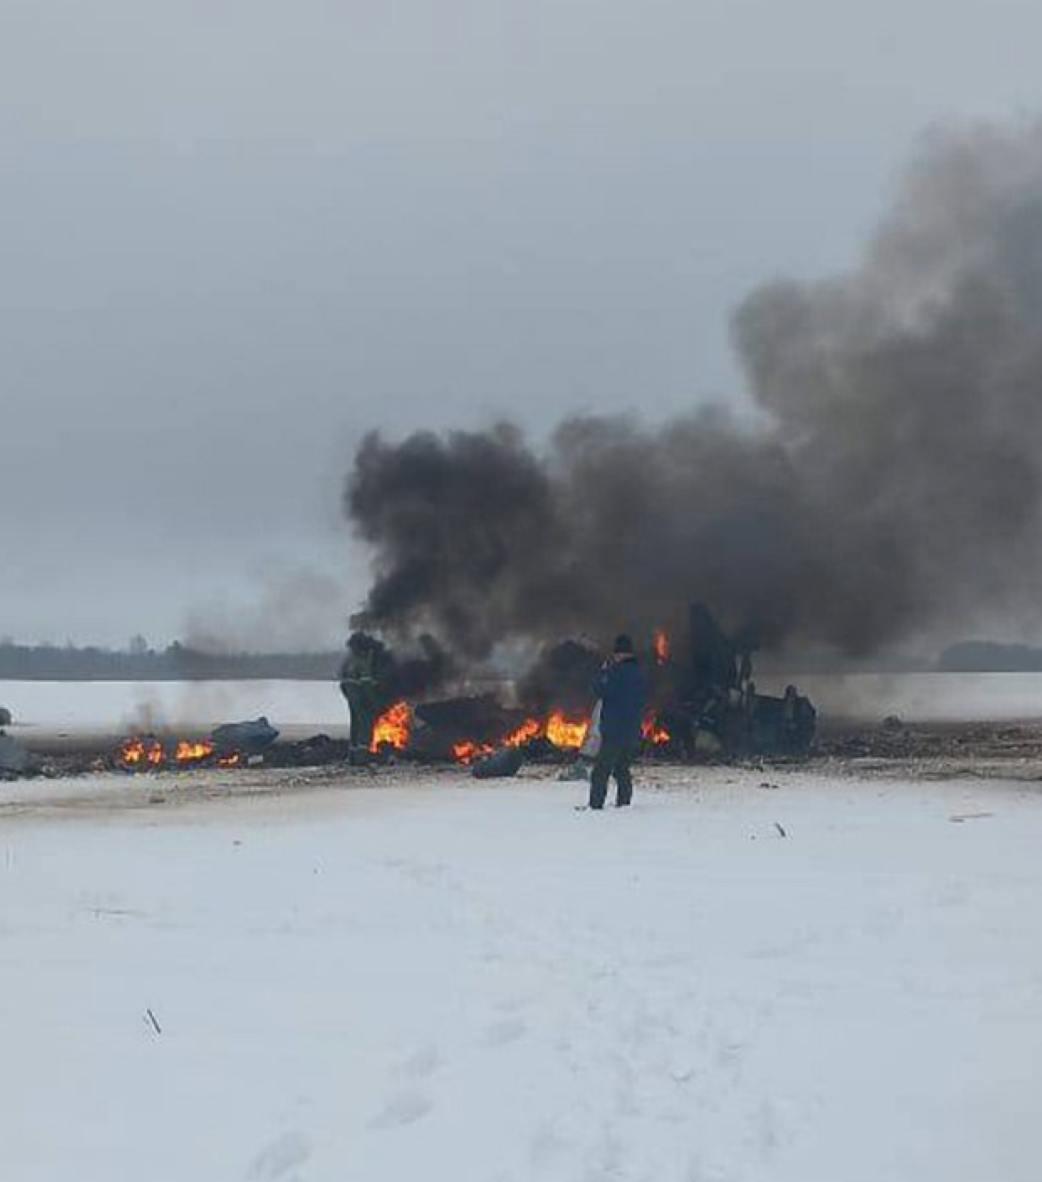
(623, 644)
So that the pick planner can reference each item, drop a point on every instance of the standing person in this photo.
(360, 685)
(623, 691)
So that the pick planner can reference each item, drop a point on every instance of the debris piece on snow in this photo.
(706, 743)
(579, 770)
(506, 762)
(781, 831)
(248, 737)
(958, 818)
(15, 760)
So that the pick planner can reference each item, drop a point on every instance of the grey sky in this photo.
(237, 235)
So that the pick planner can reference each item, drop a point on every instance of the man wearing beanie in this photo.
(623, 691)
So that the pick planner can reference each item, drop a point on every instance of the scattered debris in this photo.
(6, 718)
(703, 703)
(141, 753)
(781, 830)
(958, 818)
(579, 770)
(505, 762)
(247, 738)
(768, 785)
(706, 742)
(15, 760)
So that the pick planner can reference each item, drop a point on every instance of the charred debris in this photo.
(704, 704)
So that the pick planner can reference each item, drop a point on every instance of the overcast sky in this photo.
(236, 235)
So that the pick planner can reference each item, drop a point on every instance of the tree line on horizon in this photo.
(176, 662)
(182, 662)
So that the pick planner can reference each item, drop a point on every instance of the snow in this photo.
(389, 978)
(123, 706)
(920, 697)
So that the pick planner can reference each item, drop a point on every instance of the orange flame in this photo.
(563, 732)
(654, 732)
(141, 753)
(660, 642)
(467, 751)
(566, 732)
(193, 752)
(392, 728)
(525, 733)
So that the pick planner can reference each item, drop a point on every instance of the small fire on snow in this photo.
(654, 732)
(660, 643)
(141, 753)
(567, 733)
(467, 751)
(145, 754)
(525, 733)
(187, 752)
(392, 728)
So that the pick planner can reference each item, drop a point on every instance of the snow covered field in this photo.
(389, 979)
(123, 706)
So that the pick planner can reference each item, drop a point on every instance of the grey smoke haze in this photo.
(291, 612)
(892, 483)
(238, 236)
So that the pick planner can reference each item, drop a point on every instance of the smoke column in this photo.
(892, 482)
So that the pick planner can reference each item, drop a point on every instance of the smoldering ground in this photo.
(888, 482)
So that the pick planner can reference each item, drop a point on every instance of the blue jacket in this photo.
(623, 690)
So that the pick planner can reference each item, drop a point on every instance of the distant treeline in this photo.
(180, 662)
(985, 656)
(177, 662)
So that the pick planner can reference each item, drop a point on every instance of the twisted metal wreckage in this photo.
(703, 704)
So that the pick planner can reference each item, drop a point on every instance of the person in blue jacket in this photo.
(623, 691)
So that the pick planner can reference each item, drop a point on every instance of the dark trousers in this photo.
(614, 760)
(363, 719)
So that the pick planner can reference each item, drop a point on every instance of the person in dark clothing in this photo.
(362, 676)
(623, 691)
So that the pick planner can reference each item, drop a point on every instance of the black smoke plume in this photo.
(424, 668)
(890, 484)
(560, 676)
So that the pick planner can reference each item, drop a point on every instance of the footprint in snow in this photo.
(403, 1109)
(546, 1148)
(506, 1031)
(278, 1157)
(421, 1063)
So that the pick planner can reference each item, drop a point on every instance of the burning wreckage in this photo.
(233, 744)
(704, 704)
